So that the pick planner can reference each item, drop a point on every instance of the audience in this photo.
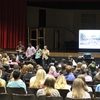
(78, 90)
(48, 89)
(58, 74)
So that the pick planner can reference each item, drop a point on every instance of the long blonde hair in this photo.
(39, 79)
(78, 88)
(2, 83)
(83, 78)
(60, 82)
(78, 67)
(49, 85)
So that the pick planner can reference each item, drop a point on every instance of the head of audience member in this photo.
(5, 61)
(63, 61)
(97, 76)
(78, 88)
(14, 59)
(16, 74)
(39, 79)
(52, 61)
(83, 78)
(41, 74)
(60, 82)
(2, 82)
(52, 71)
(38, 67)
(50, 82)
(56, 64)
(68, 69)
(12, 56)
(84, 64)
(84, 70)
(1, 68)
(63, 69)
(30, 68)
(23, 70)
(5, 55)
(0, 56)
(79, 65)
(0, 72)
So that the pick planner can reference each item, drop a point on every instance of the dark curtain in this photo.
(12, 23)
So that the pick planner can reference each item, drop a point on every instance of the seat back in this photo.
(11, 90)
(96, 94)
(97, 98)
(26, 82)
(4, 96)
(23, 97)
(54, 98)
(69, 82)
(2, 90)
(63, 92)
(78, 99)
(32, 90)
(49, 98)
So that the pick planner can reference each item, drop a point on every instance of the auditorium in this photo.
(50, 49)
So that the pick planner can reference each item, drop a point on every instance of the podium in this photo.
(87, 58)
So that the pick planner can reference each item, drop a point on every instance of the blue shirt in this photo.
(69, 77)
(18, 83)
(38, 54)
(97, 89)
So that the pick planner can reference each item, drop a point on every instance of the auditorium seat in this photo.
(2, 90)
(32, 90)
(23, 97)
(4, 96)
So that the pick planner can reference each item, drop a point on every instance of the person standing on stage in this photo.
(38, 55)
(30, 52)
(20, 50)
(45, 56)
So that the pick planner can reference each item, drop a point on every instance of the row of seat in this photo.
(33, 97)
(63, 92)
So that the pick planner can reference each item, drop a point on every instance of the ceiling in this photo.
(76, 4)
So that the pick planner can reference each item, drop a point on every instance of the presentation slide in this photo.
(89, 39)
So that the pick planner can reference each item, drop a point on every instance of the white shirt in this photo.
(85, 95)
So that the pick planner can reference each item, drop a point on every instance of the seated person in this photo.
(17, 82)
(48, 89)
(52, 71)
(87, 88)
(77, 70)
(97, 76)
(69, 75)
(78, 90)
(2, 81)
(29, 72)
(38, 80)
(14, 62)
(93, 69)
(85, 72)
